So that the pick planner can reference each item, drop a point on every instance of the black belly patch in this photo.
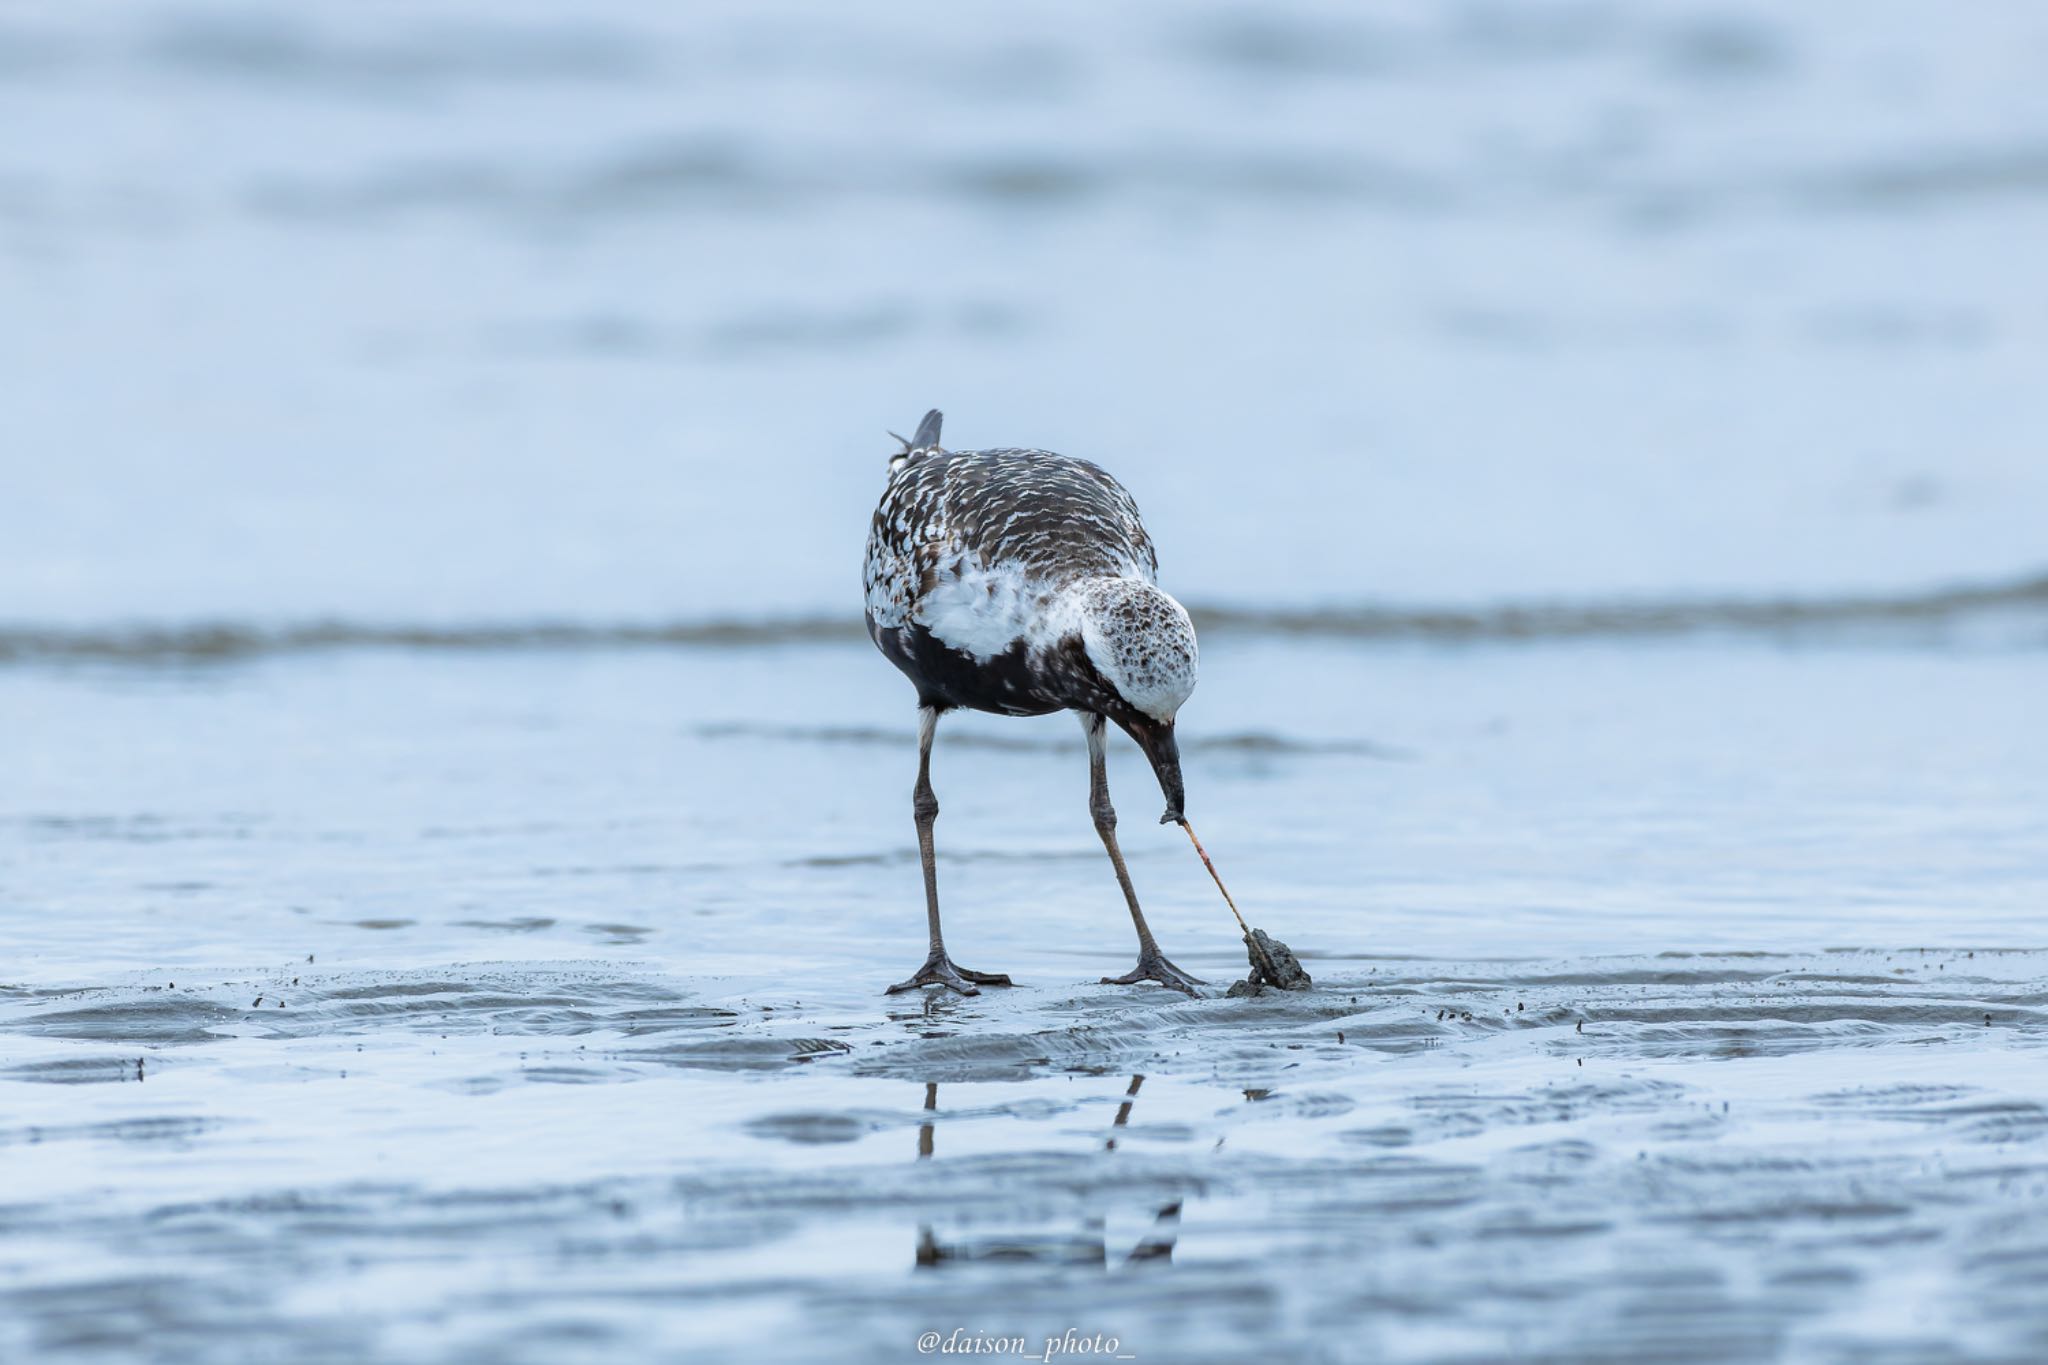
(1006, 684)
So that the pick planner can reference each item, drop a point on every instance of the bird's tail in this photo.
(926, 440)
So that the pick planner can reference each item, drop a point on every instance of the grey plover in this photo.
(1022, 582)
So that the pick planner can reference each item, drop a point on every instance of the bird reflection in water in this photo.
(1088, 1247)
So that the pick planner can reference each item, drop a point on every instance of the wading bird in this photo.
(1022, 582)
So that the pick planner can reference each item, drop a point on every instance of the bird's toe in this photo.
(939, 970)
(1155, 968)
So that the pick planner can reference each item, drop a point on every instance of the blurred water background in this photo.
(488, 311)
(1602, 445)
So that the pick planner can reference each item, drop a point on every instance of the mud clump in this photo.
(1274, 967)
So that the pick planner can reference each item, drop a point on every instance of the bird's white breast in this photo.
(983, 610)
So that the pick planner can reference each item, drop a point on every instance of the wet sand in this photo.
(1729, 1156)
(526, 1006)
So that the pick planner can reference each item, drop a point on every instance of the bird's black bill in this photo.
(1163, 752)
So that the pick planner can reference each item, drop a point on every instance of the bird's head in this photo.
(1142, 645)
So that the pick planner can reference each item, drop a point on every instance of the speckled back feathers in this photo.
(1025, 553)
(1053, 517)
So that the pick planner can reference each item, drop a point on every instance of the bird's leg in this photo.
(1152, 964)
(938, 969)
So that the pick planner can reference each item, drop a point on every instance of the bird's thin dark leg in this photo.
(1152, 964)
(938, 969)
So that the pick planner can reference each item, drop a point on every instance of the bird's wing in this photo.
(1055, 517)
(967, 540)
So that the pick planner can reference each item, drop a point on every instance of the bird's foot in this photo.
(938, 970)
(1153, 966)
